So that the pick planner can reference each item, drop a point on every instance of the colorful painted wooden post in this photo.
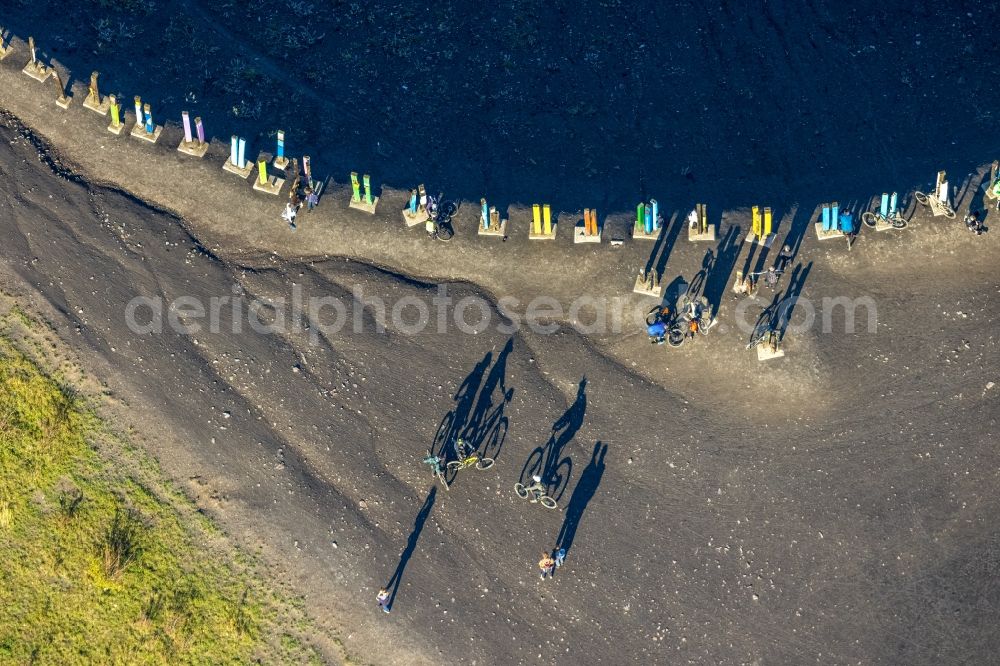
(262, 172)
(138, 110)
(368, 189)
(413, 202)
(484, 217)
(147, 113)
(655, 213)
(116, 121)
(233, 143)
(241, 153)
(355, 191)
(640, 216)
(280, 161)
(755, 225)
(307, 168)
(766, 228)
(536, 219)
(186, 120)
(264, 183)
(827, 225)
(941, 190)
(546, 219)
(34, 68)
(199, 129)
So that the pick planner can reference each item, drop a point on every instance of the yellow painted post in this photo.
(767, 223)
(547, 219)
(755, 225)
(115, 120)
(536, 219)
(262, 171)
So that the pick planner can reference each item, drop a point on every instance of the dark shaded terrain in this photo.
(594, 103)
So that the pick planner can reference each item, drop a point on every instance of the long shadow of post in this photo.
(725, 260)
(546, 460)
(590, 479)
(411, 545)
(795, 285)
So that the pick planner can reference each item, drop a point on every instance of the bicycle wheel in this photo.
(484, 463)
(445, 232)
(675, 336)
(950, 214)
(547, 502)
(898, 223)
(521, 491)
(455, 465)
(920, 197)
(868, 219)
(448, 209)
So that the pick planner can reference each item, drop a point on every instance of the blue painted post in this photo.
(149, 119)
(187, 127)
(232, 150)
(485, 214)
(281, 145)
(826, 217)
(241, 153)
(413, 202)
(649, 219)
(893, 203)
(883, 208)
(834, 215)
(655, 214)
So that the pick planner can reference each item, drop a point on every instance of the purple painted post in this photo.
(306, 169)
(200, 129)
(187, 126)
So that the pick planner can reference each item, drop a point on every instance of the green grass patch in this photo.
(103, 565)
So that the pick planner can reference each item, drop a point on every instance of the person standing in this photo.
(383, 599)
(289, 216)
(546, 565)
(560, 557)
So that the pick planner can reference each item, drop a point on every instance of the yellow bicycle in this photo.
(472, 460)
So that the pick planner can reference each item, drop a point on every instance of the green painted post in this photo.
(355, 196)
(115, 110)
(640, 214)
(368, 190)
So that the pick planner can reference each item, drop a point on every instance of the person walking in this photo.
(311, 198)
(383, 599)
(547, 565)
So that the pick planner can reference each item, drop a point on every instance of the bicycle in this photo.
(870, 219)
(437, 470)
(468, 457)
(769, 333)
(538, 490)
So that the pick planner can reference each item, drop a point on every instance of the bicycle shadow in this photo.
(585, 489)
(476, 418)
(546, 461)
(411, 544)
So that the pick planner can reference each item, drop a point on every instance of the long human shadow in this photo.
(792, 294)
(411, 545)
(590, 479)
(547, 461)
(726, 255)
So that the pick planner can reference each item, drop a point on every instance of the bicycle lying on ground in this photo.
(537, 491)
